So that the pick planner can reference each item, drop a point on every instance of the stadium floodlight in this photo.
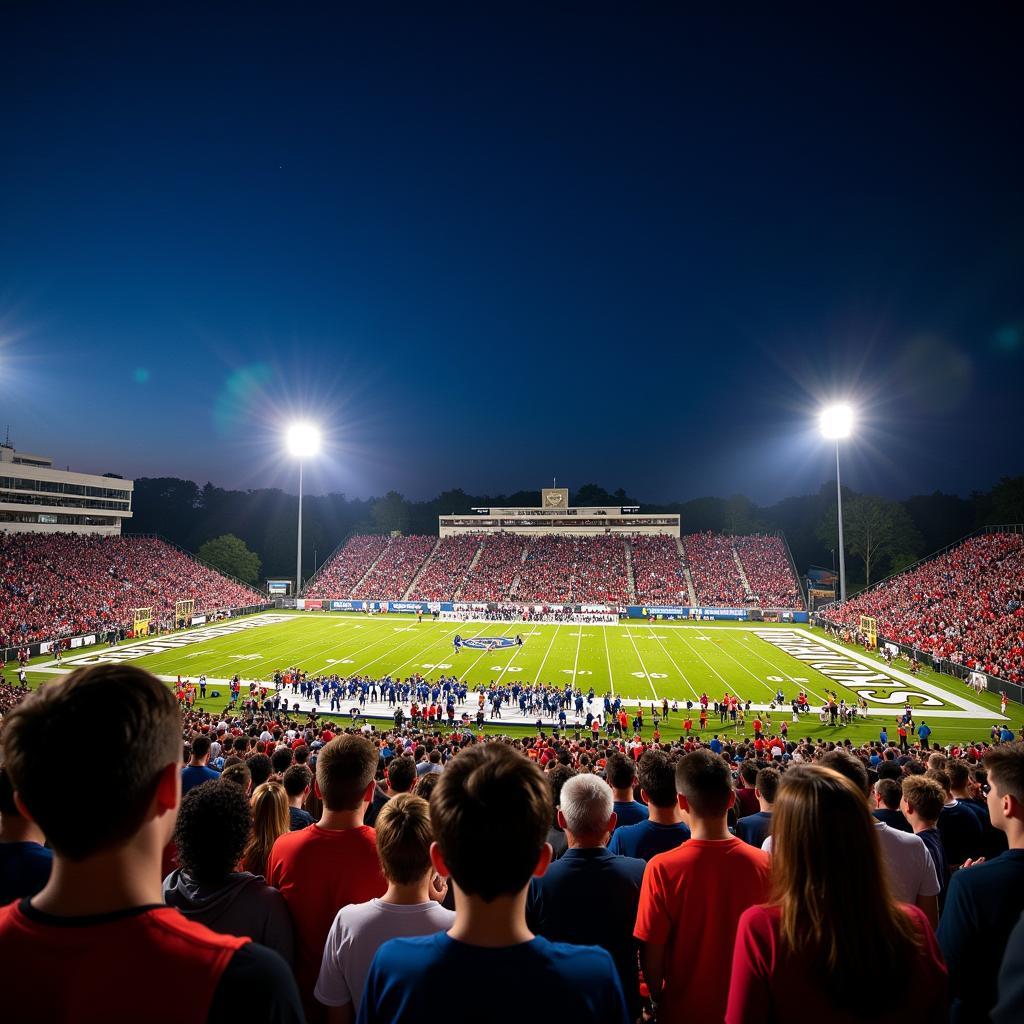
(303, 440)
(836, 424)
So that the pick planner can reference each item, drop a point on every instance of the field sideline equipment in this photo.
(869, 629)
(183, 611)
(140, 621)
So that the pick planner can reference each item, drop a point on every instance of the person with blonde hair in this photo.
(411, 906)
(832, 922)
(269, 820)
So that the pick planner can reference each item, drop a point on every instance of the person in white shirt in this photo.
(411, 906)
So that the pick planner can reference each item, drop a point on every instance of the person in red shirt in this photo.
(688, 725)
(692, 898)
(99, 931)
(832, 922)
(332, 863)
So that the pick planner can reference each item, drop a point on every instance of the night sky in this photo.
(484, 251)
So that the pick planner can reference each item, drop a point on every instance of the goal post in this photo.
(869, 630)
(141, 618)
(183, 611)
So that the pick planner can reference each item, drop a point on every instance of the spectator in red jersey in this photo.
(832, 921)
(99, 930)
(446, 569)
(332, 863)
(340, 574)
(396, 568)
(712, 879)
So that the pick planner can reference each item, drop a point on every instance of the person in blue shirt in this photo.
(985, 900)
(883, 737)
(754, 829)
(715, 744)
(923, 732)
(196, 772)
(490, 812)
(619, 773)
(664, 829)
(24, 861)
(561, 904)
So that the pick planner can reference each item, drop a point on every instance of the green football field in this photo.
(640, 662)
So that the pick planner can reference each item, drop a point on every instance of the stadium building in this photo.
(36, 498)
(555, 516)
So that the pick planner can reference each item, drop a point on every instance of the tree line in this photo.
(881, 535)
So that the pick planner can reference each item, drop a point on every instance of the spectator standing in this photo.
(196, 772)
(832, 920)
(887, 794)
(620, 773)
(269, 821)
(961, 828)
(712, 878)
(984, 901)
(490, 812)
(298, 780)
(664, 828)
(411, 906)
(922, 802)
(561, 904)
(755, 828)
(99, 930)
(210, 836)
(24, 861)
(304, 865)
(399, 777)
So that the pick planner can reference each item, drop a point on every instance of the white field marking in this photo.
(753, 675)
(629, 633)
(677, 668)
(554, 636)
(391, 650)
(772, 665)
(465, 674)
(608, 658)
(576, 663)
(693, 650)
(974, 710)
(508, 664)
(423, 650)
(379, 633)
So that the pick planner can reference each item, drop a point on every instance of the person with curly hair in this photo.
(212, 832)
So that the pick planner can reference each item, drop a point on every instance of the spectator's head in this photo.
(585, 811)
(297, 780)
(238, 775)
(704, 784)
(887, 794)
(345, 770)
(657, 779)
(748, 773)
(827, 867)
(200, 746)
(426, 785)
(404, 838)
(281, 759)
(940, 776)
(141, 778)
(558, 776)
(260, 769)
(491, 811)
(849, 766)
(959, 775)
(212, 831)
(619, 772)
(269, 821)
(1005, 766)
(767, 784)
(922, 800)
(401, 774)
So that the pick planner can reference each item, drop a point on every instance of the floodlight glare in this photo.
(303, 440)
(836, 422)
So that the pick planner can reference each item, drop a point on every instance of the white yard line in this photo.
(608, 658)
(429, 647)
(693, 650)
(576, 663)
(629, 633)
(678, 669)
(779, 668)
(554, 636)
(463, 675)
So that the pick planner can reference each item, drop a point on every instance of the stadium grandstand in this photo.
(54, 586)
(963, 606)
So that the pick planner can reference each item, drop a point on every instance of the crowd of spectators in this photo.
(658, 570)
(448, 567)
(316, 873)
(500, 562)
(566, 570)
(62, 585)
(965, 606)
(713, 568)
(396, 568)
(341, 573)
(768, 571)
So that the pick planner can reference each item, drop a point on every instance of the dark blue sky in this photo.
(483, 251)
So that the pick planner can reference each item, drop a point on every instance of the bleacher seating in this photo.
(500, 561)
(563, 569)
(965, 605)
(396, 568)
(768, 571)
(716, 577)
(340, 574)
(60, 585)
(447, 568)
(658, 570)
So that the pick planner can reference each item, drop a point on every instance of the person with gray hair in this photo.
(561, 905)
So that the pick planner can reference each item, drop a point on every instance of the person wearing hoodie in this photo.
(211, 833)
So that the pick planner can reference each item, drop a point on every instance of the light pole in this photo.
(836, 423)
(303, 441)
